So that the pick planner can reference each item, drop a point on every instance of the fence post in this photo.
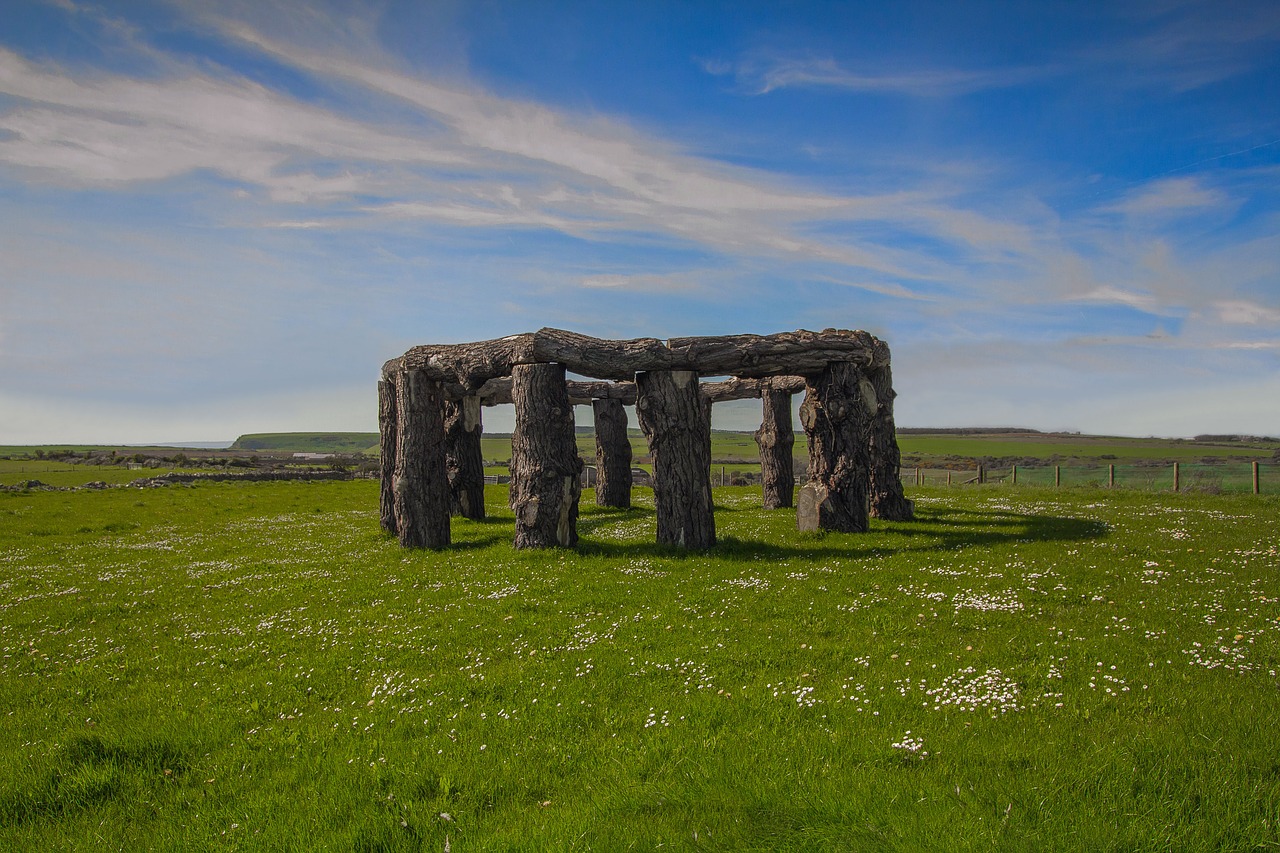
(982, 474)
(917, 476)
(1013, 475)
(1176, 482)
(1255, 478)
(948, 478)
(1057, 476)
(1111, 476)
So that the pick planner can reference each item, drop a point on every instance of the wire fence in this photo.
(1210, 478)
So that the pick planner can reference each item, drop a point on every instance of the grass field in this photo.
(53, 473)
(256, 667)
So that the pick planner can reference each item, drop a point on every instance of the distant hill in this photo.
(308, 442)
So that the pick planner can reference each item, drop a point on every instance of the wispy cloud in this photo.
(1239, 312)
(584, 176)
(1189, 45)
(1108, 294)
(1169, 197)
(765, 75)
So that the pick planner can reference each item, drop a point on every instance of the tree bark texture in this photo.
(613, 454)
(545, 466)
(786, 353)
(795, 353)
(777, 440)
(496, 392)
(676, 419)
(387, 453)
(464, 460)
(421, 485)
(836, 414)
(887, 498)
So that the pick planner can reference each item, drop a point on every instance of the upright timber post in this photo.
(613, 454)
(676, 419)
(836, 420)
(776, 439)
(464, 459)
(887, 498)
(420, 487)
(545, 466)
(387, 453)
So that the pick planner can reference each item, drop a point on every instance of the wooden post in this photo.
(387, 454)
(836, 420)
(982, 474)
(917, 475)
(545, 464)
(888, 501)
(776, 439)
(420, 488)
(1111, 476)
(676, 420)
(948, 478)
(1177, 484)
(722, 476)
(1013, 476)
(464, 459)
(1255, 478)
(613, 454)
(1057, 475)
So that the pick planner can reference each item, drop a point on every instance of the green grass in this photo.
(257, 667)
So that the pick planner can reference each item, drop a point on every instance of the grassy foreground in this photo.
(256, 667)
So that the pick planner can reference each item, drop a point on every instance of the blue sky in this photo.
(222, 217)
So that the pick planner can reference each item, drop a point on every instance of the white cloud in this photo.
(643, 282)
(770, 74)
(1117, 296)
(1169, 197)
(1239, 312)
(113, 129)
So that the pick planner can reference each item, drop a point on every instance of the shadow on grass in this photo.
(933, 530)
(88, 772)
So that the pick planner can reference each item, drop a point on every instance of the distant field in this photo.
(1077, 447)
(739, 448)
(14, 471)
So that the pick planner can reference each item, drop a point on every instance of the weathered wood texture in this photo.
(420, 488)
(786, 353)
(464, 460)
(545, 466)
(887, 498)
(613, 454)
(776, 439)
(836, 414)
(496, 392)
(676, 419)
(387, 453)
(796, 353)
